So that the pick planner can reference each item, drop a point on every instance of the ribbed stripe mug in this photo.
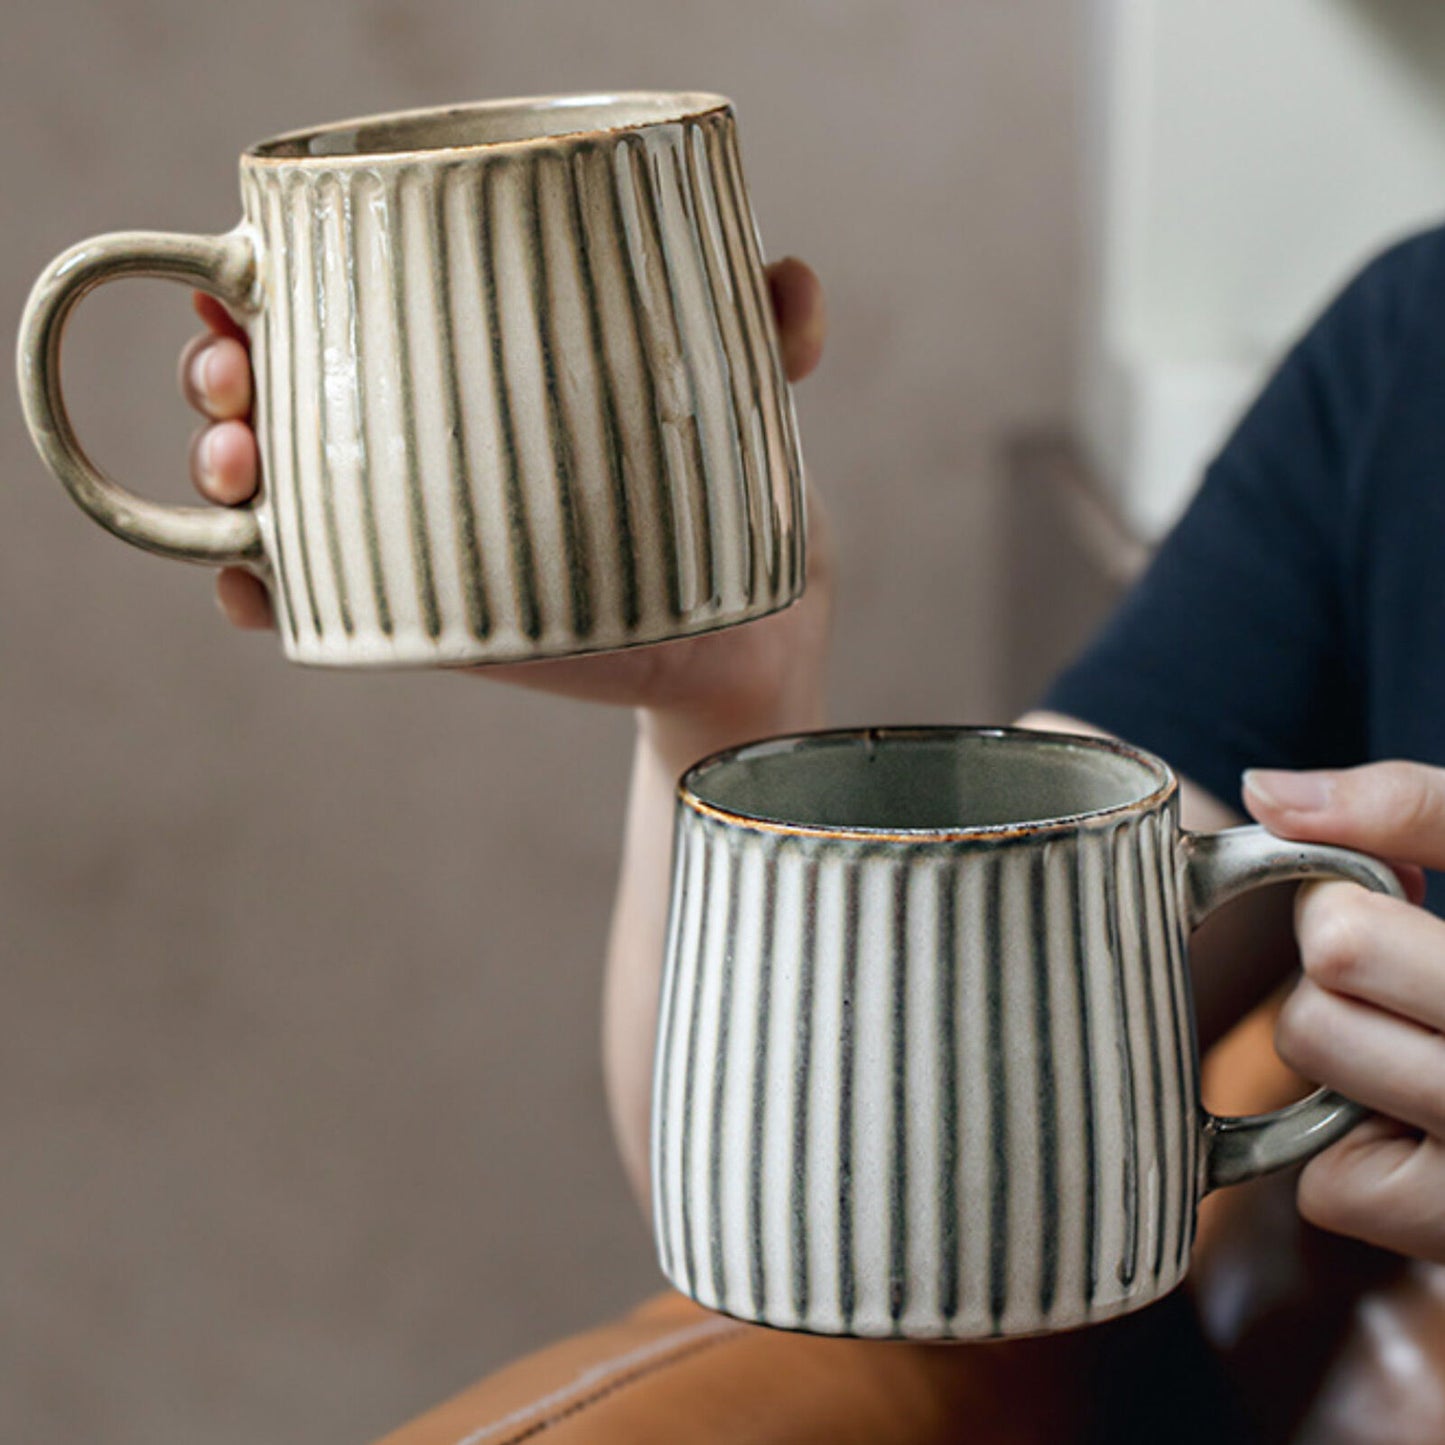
(518, 392)
(926, 1059)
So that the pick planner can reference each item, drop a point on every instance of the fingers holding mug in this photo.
(223, 462)
(214, 374)
(244, 600)
(215, 377)
(801, 312)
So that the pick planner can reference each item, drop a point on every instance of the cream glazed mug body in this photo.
(926, 1062)
(518, 391)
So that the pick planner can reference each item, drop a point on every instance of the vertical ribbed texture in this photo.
(925, 1090)
(522, 404)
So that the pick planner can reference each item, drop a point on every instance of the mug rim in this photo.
(1166, 786)
(677, 106)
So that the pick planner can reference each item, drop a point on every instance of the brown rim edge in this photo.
(708, 103)
(754, 823)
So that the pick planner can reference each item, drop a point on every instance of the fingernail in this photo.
(1295, 792)
(205, 463)
(201, 368)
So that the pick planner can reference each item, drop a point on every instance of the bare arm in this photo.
(667, 744)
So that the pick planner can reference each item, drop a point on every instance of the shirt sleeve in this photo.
(1240, 645)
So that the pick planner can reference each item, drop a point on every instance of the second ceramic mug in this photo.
(518, 392)
(926, 1056)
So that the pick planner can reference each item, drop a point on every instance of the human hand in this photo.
(1368, 1016)
(749, 675)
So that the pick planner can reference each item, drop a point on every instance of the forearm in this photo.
(667, 744)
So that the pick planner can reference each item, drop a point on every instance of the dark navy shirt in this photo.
(1295, 617)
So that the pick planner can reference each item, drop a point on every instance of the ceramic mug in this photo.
(518, 392)
(926, 1061)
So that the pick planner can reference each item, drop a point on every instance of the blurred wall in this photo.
(1228, 189)
(301, 1122)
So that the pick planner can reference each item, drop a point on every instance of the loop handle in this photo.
(1221, 866)
(225, 266)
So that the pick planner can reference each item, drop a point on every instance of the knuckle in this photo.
(1380, 1187)
(1335, 926)
(1328, 1194)
(1432, 1092)
(1432, 1118)
(1299, 1027)
(1409, 796)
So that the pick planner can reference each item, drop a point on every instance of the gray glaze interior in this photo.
(488, 124)
(937, 781)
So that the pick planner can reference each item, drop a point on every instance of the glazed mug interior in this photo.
(490, 123)
(927, 780)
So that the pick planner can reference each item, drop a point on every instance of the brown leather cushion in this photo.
(1304, 1338)
(672, 1372)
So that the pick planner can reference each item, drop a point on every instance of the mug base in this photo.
(959, 1330)
(372, 650)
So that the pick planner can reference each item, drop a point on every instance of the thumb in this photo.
(1392, 810)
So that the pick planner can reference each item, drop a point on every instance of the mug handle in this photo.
(1217, 867)
(225, 266)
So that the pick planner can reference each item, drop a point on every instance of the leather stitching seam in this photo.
(682, 1351)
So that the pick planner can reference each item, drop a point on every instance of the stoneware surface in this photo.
(927, 1064)
(518, 392)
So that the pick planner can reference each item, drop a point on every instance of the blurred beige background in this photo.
(301, 1123)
